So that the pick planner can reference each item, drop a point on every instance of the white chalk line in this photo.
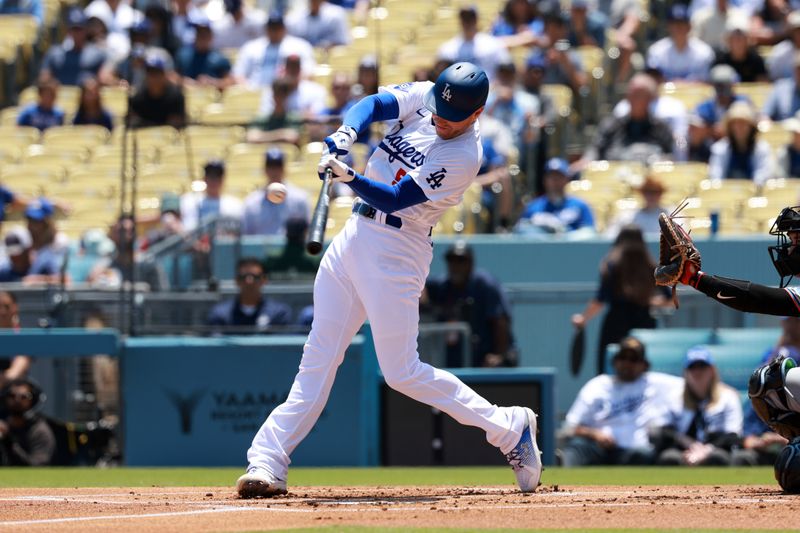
(121, 517)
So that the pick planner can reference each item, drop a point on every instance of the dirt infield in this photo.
(214, 509)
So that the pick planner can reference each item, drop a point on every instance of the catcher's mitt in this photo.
(679, 259)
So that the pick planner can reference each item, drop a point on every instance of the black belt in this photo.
(366, 210)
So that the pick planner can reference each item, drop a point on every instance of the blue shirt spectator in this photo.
(555, 212)
(75, 58)
(250, 307)
(43, 114)
(90, 109)
(200, 61)
(17, 247)
(784, 99)
(23, 7)
(723, 78)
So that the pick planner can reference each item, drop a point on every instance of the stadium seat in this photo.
(759, 339)
(735, 363)
(757, 92)
(681, 338)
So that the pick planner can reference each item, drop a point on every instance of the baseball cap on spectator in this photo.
(39, 209)
(737, 23)
(215, 168)
(723, 75)
(170, 202)
(17, 240)
(468, 11)
(368, 61)
(652, 184)
(793, 20)
(536, 60)
(95, 242)
(556, 164)
(155, 62)
(459, 250)
(274, 157)
(631, 348)
(678, 13)
(741, 111)
(698, 355)
(200, 21)
(275, 19)
(76, 18)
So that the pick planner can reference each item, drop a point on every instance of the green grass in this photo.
(200, 477)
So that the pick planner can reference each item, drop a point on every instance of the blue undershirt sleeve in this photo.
(373, 108)
(388, 198)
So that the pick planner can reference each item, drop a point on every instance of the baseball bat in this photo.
(316, 235)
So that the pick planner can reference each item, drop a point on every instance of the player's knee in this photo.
(403, 377)
(787, 467)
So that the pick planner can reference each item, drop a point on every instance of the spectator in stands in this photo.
(517, 24)
(169, 222)
(367, 77)
(125, 265)
(498, 195)
(262, 215)
(198, 207)
(307, 98)
(10, 201)
(635, 136)
(44, 113)
(200, 63)
(258, 61)
(705, 422)
(586, 27)
(789, 155)
(161, 35)
(281, 124)
(473, 45)
(652, 191)
(712, 111)
(473, 296)
(23, 7)
(130, 70)
(532, 82)
(737, 52)
(50, 247)
(18, 248)
(183, 13)
(239, 25)
(710, 23)
(118, 16)
(330, 117)
(509, 103)
(250, 308)
(90, 106)
(698, 140)
(555, 211)
(625, 20)
(293, 261)
(321, 23)
(610, 421)
(15, 367)
(562, 64)
(25, 437)
(740, 154)
(75, 58)
(782, 60)
(157, 102)
(627, 289)
(680, 56)
(784, 100)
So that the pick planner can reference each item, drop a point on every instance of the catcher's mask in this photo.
(787, 467)
(784, 255)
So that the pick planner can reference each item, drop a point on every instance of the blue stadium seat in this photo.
(755, 339)
(664, 357)
(735, 363)
(681, 338)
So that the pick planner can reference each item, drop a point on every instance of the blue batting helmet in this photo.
(460, 90)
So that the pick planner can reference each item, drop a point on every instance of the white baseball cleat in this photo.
(526, 459)
(259, 483)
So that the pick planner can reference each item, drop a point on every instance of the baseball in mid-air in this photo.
(276, 193)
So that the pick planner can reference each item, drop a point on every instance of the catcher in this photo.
(774, 388)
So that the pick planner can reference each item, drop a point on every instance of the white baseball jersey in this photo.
(724, 416)
(625, 410)
(443, 169)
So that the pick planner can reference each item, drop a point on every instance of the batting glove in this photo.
(339, 171)
(339, 142)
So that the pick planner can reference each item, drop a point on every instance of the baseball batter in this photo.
(774, 388)
(376, 267)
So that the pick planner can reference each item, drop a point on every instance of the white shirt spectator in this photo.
(231, 34)
(118, 24)
(780, 63)
(258, 60)
(309, 99)
(708, 24)
(262, 217)
(724, 416)
(625, 411)
(328, 28)
(690, 64)
(749, 7)
(484, 50)
(761, 160)
(196, 208)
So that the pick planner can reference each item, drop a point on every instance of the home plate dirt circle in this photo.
(187, 509)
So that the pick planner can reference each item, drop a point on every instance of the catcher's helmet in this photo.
(460, 90)
(787, 467)
(784, 255)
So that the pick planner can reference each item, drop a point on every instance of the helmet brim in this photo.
(442, 109)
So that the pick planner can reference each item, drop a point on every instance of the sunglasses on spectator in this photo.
(249, 277)
(20, 395)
